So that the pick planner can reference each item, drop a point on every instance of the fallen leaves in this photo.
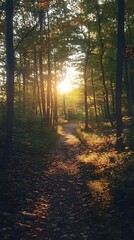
(71, 193)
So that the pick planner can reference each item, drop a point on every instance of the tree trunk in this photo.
(120, 49)
(42, 87)
(49, 77)
(132, 79)
(64, 106)
(112, 96)
(102, 65)
(10, 81)
(129, 102)
(131, 61)
(43, 102)
(35, 84)
(24, 83)
(85, 89)
(94, 96)
(55, 97)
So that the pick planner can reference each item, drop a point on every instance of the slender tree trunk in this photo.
(129, 102)
(131, 61)
(112, 96)
(24, 83)
(42, 87)
(102, 65)
(49, 77)
(19, 93)
(10, 81)
(85, 85)
(55, 97)
(35, 85)
(132, 79)
(120, 49)
(52, 112)
(43, 102)
(94, 96)
(39, 99)
(106, 91)
(64, 106)
(103, 112)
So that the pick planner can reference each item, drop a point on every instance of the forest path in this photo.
(59, 204)
(68, 213)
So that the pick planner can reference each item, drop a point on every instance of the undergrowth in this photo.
(33, 137)
(110, 179)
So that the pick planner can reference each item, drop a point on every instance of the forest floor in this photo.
(74, 191)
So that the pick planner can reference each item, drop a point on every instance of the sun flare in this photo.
(66, 85)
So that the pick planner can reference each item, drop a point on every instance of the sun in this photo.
(65, 86)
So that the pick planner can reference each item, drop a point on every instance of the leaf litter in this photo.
(69, 197)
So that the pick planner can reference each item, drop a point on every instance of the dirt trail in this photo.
(59, 205)
(65, 197)
(68, 215)
(66, 150)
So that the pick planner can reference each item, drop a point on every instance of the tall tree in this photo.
(102, 51)
(120, 50)
(49, 72)
(85, 82)
(10, 80)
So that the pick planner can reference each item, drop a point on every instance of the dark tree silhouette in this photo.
(120, 50)
(10, 80)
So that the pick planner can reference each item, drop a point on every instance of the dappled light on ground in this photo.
(62, 168)
(67, 137)
(101, 192)
(76, 191)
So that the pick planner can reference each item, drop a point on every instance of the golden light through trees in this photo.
(67, 84)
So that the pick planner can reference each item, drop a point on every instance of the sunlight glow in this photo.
(66, 85)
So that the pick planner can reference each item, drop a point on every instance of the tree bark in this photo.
(102, 66)
(24, 82)
(37, 85)
(112, 96)
(119, 70)
(85, 89)
(132, 79)
(64, 106)
(49, 76)
(10, 81)
(129, 102)
(131, 61)
(55, 96)
(94, 96)
(42, 87)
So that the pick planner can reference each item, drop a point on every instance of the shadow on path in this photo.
(60, 205)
